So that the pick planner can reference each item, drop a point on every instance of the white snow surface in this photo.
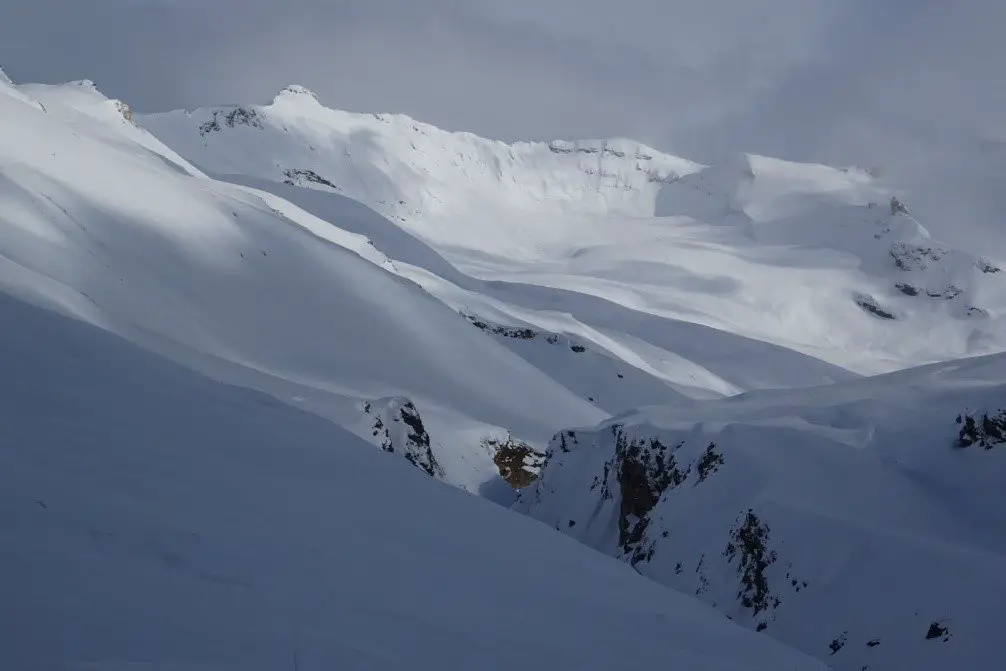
(792, 254)
(380, 292)
(102, 222)
(155, 519)
(874, 525)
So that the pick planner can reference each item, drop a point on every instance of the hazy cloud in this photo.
(913, 85)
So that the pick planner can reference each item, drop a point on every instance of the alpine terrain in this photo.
(291, 387)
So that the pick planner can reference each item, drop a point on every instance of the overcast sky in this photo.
(916, 86)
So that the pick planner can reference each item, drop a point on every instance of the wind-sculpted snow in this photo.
(658, 359)
(155, 519)
(450, 302)
(824, 261)
(101, 221)
(850, 521)
(414, 173)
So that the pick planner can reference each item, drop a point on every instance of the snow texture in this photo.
(606, 232)
(856, 515)
(156, 518)
(251, 346)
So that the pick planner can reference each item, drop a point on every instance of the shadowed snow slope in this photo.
(155, 519)
(816, 259)
(861, 522)
(438, 295)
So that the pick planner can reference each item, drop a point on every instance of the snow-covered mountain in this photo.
(103, 222)
(397, 307)
(156, 519)
(824, 261)
(860, 522)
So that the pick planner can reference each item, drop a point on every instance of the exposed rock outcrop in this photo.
(398, 428)
(519, 463)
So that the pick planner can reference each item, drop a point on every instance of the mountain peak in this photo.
(296, 91)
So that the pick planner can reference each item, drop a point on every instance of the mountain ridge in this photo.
(870, 290)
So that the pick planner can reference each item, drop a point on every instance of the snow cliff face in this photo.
(861, 522)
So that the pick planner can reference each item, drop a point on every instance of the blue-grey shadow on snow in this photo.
(744, 362)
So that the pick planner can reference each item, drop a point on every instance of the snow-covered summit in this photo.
(408, 170)
(866, 286)
(296, 92)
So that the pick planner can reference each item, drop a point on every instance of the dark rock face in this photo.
(915, 257)
(985, 431)
(125, 110)
(516, 332)
(938, 631)
(898, 207)
(399, 429)
(644, 470)
(986, 267)
(907, 289)
(749, 547)
(239, 116)
(709, 463)
(870, 305)
(500, 329)
(518, 463)
(418, 450)
(301, 176)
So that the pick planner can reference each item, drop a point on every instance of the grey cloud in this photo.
(914, 85)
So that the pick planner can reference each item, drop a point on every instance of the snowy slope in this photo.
(155, 519)
(99, 220)
(417, 174)
(444, 298)
(866, 289)
(860, 522)
(583, 341)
